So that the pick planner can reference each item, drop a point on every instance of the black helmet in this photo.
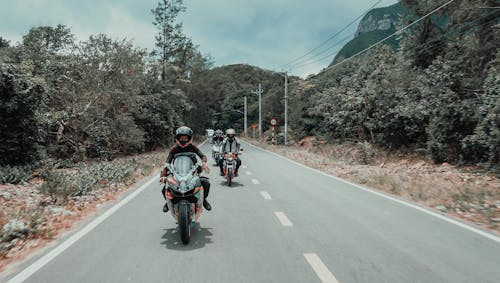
(183, 131)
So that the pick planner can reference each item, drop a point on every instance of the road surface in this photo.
(279, 222)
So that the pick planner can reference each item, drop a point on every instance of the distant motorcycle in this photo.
(229, 167)
(184, 193)
(216, 155)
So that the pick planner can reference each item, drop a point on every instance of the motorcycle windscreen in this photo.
(183, 165)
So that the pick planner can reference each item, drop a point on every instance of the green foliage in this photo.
(22, 104)
(15, 174)
(439, 92)
(64, 183)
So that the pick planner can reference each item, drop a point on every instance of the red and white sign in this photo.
(273, 122)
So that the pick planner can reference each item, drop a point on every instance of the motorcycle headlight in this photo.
(183, 187)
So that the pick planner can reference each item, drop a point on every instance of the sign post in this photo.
(254, 126)
(273, 122)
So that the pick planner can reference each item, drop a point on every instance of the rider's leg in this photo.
(238, 164)
(165, 206)
(206, 189)
(221, 163)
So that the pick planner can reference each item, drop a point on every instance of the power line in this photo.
(395, 33)
(331, 37)
(327, 56)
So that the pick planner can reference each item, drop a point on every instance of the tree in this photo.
(172, 44)
(4, 43)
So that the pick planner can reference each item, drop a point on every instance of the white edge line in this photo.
(34, 267)
(266, 195)
(27, 272)
(283, 219)
(442, 217)
(320, 268)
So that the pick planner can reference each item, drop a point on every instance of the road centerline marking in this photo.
(266, 195)
(244, 166)
(320, 268)
(248, 173)
(255, 181)
(283, 219)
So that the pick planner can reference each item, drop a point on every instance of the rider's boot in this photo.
(207, 205)
(165, 208)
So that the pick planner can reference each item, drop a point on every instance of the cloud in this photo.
(265, 33)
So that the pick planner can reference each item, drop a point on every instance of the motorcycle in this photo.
(216, 155)
(229, 167)
(184, 193)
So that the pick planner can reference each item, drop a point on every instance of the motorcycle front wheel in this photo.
(184, 225)
(229, 178)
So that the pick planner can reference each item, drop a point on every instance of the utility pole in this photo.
(246, 112)
(286, 108)
(259, 93)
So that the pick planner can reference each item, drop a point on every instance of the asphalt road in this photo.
(280, 222)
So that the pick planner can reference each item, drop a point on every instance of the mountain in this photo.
(375, 25)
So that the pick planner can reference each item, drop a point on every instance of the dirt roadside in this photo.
(467, 193)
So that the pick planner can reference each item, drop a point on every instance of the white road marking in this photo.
(320, 268)
(248, 173)
(421, 209)
(283, 219)
(244, 166)
(255, 181)
(26, 273)
(266, 195)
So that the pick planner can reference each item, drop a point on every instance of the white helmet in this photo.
(230, 133)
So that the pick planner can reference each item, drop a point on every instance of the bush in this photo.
(15, 174)
(61, 184)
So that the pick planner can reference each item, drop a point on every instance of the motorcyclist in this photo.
(218, 137)
(230, 144)
(183, 140)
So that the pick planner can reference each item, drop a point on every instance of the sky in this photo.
(263, 33)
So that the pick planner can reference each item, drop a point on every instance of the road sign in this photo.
(273, 122)
(254, 126)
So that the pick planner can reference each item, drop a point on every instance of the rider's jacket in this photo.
(217, 139)
(177, 149)
(231, 146)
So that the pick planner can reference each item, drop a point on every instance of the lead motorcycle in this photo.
(184, 193)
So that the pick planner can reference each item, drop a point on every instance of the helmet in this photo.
(183, 136)
(218, 133)
(230, 133)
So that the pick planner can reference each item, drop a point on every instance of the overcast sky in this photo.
(264, 33)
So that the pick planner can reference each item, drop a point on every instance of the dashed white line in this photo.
(266, 195)
(283, 219)
(244, 166)
(320, 268)
(248, 173)
(255, 181)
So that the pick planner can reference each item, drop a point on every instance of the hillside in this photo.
(375, 25)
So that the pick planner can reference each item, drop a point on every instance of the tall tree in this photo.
(172, 44)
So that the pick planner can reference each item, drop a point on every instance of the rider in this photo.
(183, 140)
(230, 145)
(217, 139)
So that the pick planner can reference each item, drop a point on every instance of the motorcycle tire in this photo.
(229, 178)
(184, 225)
